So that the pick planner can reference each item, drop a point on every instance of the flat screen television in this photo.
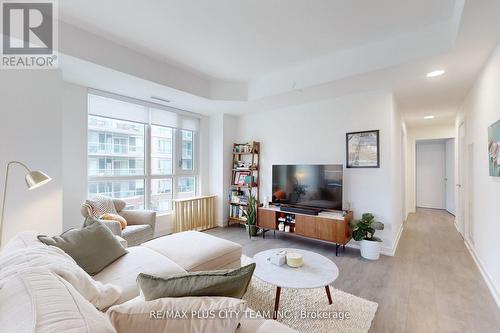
(308, 186)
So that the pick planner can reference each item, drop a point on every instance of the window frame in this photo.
(147, 177)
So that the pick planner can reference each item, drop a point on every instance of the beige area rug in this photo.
(300, 306)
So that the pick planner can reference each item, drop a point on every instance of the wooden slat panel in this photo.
(194, 214)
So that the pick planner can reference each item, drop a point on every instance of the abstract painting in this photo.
(362, 149)
(494, 149)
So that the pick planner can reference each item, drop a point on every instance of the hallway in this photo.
(431, 285)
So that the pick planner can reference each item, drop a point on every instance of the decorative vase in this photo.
(266, 202)
(370, 249)
(281, 226)
(287, 228)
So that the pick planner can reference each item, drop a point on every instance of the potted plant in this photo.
(251, 216)
(364, 230)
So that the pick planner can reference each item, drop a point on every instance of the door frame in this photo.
(450, 186)
(460, 221)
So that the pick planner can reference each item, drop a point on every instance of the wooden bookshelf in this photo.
(245, 161)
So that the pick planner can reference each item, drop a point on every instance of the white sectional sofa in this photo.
(49, 296)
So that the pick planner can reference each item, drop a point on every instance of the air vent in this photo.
(164, 100)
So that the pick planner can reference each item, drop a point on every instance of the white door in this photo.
(460, 219)
(450, 176)
(430, 169)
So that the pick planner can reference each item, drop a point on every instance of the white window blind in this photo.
(165, 116)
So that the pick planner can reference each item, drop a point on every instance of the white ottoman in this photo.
(197, 251)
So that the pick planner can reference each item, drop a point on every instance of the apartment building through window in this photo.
(142, 154)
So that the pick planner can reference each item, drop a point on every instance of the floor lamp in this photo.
(33, 179)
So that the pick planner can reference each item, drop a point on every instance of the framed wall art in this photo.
(362, 149)
(494, 149)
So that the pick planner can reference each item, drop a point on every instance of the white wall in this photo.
(74, 153)
(222, 135)
(480, 109)
(398, 132)
(420, 133)
(30, 131)
(216, 167)
(315, 133)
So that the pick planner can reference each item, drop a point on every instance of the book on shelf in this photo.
(237, 212)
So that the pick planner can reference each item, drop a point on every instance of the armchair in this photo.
(140, 223)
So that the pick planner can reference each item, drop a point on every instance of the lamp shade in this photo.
(36, 179)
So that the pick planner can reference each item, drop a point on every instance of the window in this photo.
(161, 150)
(187, 150)
(186, 187)
(147, 165)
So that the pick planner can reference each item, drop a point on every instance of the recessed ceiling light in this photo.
(161, 99)
(436, 73)
(429, 117)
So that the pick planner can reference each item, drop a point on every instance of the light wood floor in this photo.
(431, 285)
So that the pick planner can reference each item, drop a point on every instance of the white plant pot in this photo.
(370, 249)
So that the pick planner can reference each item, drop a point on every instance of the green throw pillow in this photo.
(226, 283)
(92, 247)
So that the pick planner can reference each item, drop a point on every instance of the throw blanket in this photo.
(57, 261)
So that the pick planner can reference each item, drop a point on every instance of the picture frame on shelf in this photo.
(363, 149)
(240, 177)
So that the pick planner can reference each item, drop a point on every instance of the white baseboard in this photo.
(387, 251)
(487, 278)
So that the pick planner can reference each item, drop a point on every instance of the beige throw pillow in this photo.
(227, 283)
(185, 314)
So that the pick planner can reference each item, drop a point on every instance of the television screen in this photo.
(316, 186)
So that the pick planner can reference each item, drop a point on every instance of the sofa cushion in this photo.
(124, 271)
(196, 251)
(137, 234)
(92, 247)
(58, 262)
(138, 315)
(40, 301)
(227, 283)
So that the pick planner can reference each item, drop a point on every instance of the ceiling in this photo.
(287, 52)
(242, 40)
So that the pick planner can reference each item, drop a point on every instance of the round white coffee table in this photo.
(317, 272)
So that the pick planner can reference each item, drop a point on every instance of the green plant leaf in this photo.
(365, 227)
(367, 217)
